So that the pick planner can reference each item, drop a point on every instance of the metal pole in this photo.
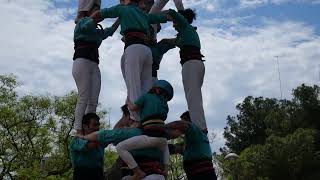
(109, 117)
(279, 76)
(319, 71)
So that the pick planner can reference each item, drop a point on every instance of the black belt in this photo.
(197, 166)
(82, 173)
(190, 53)
(134, 37)
(86, 50)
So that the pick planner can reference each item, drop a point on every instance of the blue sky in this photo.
(240, 39)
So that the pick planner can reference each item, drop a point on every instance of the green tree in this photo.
(276, 139)
(35, 133)
(248, 127)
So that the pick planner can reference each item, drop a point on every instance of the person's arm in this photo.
(170, 41)
(89, 137)
(158, 18)
(166, 44)
(80, 144)
(177, 128)
(132, 106)
(109, 31)
(96, 16)
(159, 5)
(137, 105)
(112, 12)
(178, 18)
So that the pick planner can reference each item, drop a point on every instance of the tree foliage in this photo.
(35, 133)
(276, 139)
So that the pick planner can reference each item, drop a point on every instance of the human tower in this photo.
(141, 135)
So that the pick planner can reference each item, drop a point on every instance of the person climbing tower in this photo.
(85, 70)
(153, 110)
(137, 55)
(193, 68)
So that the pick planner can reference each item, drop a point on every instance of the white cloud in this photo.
(256, 3)
(36, 45)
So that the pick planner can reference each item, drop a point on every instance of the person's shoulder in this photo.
(84, 20)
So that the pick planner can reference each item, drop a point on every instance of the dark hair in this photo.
(158, 91)
(136, 1)
(189, 14)
(125, 110)
(87, 118)
(186, 116)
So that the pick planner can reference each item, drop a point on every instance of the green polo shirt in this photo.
(151, 105)
(197, 144)
(187, 34)
(83, 157)
(86, 30)
(132, 17)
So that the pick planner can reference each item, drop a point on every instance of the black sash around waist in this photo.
(86, 50)
(134, 37)
(190, 53)
(197, 166)
(82, 173)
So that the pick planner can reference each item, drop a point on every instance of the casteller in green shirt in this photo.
(132, 18)
(187, 34)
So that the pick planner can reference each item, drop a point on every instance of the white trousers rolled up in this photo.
(192, 77)
(159, 5)
(86, 74)
(141, 142)
(137, 72)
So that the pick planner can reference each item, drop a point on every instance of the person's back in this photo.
(87, 157)
(87, 163)
(197, 155)
(153, 109)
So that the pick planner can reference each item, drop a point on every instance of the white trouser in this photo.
(158, 6)
(192, 77)
(137, 72)
(140, 142)
(87, 76)
(149, 177)
(86, 5)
